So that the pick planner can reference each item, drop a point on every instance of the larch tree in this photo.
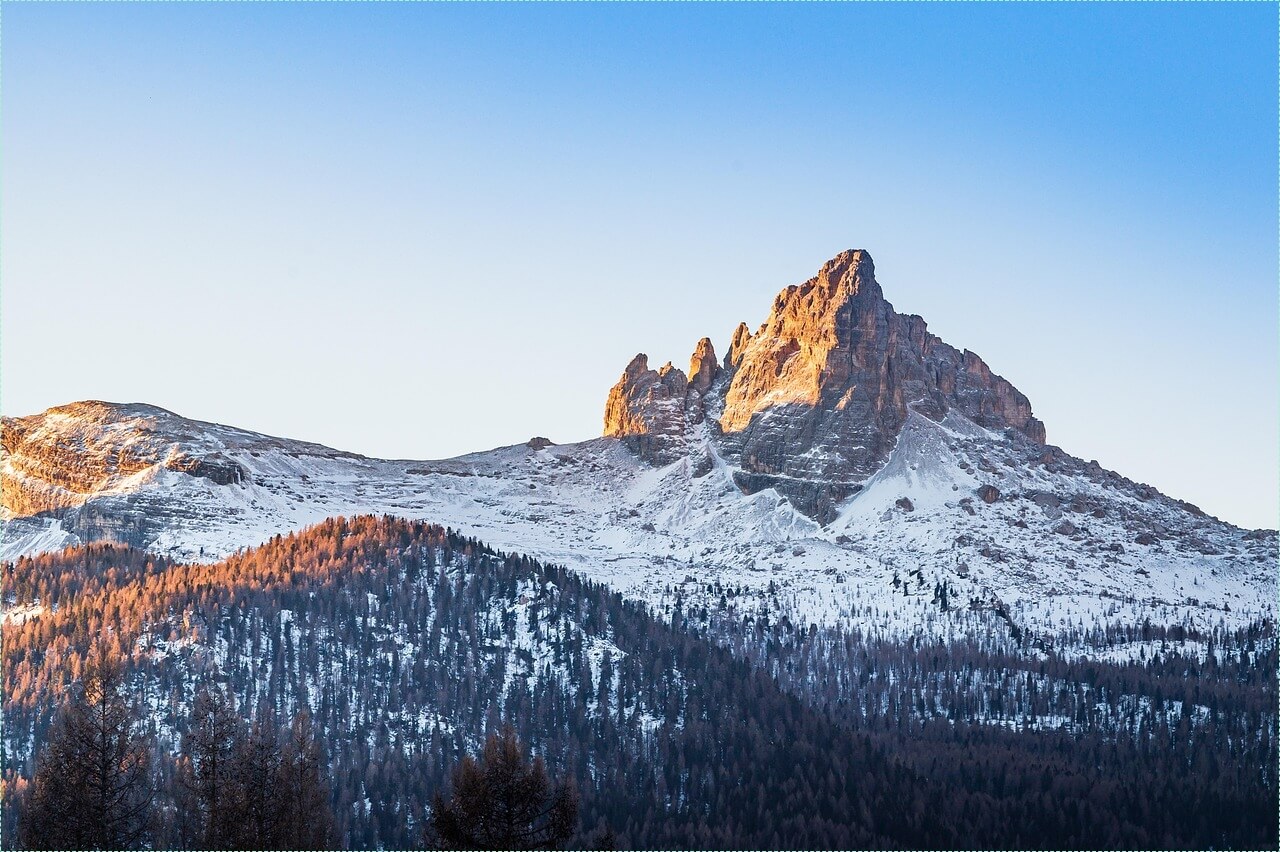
(93, 785)
(214, 800)
(503, 801)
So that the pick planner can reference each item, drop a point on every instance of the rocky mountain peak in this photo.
(646, 407)
(741, 337)
(848, 273)
(815, 399)
(703, 367)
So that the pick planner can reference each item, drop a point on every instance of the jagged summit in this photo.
(813, 401)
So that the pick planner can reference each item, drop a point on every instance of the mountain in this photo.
(813, 403)
(841, 463)
(830, 590)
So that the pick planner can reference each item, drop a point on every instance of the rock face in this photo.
(57, 460)
(812, 403)
(53, 464)
(646, 409)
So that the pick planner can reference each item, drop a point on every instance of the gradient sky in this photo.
(422, 230)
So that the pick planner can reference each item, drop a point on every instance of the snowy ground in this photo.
(1056, 549)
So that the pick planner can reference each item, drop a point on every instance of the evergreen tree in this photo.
(214, 803)
(258, 768)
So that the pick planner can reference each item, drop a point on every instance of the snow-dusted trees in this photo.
(93, 785)
(409, 644)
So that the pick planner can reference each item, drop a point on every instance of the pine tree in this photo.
(92, 787)
(503, 801)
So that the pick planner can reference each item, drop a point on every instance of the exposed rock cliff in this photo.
(813, 402)
(59, 459)
(54, 464)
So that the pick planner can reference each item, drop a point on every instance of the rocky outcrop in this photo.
(704, 372)
(646, 409)
(653, 410)
(58, 460)
(812, 403)
(703, 368)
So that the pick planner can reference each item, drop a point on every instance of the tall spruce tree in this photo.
(257, 770)
(306, 818)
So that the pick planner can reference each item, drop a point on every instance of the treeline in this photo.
(410, 644)
(102, 783)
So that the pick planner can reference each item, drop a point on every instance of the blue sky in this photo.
(420, 230)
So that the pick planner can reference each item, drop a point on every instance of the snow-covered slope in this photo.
(1061, 541)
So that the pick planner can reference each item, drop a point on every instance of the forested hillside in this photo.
(408, 644)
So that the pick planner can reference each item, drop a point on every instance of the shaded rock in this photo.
(905, 504)
(539, 443)
(701, 465)
(988, 493)
(992, 552)
(1192, 508)
(1045, 500)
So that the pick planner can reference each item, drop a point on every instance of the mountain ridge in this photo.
(868, 465)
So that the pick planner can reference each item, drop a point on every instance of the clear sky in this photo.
(421, 230)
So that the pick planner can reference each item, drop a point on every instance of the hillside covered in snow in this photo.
(712, 727)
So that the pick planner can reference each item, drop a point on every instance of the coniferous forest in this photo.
(331, 687)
